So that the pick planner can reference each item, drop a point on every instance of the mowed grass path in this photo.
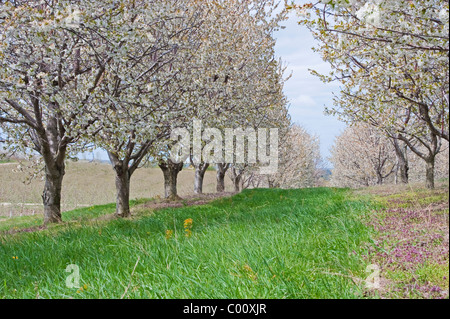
(303, 243)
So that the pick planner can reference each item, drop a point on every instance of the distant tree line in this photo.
(365, 156)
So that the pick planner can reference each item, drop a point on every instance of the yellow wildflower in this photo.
(187, 227)
(169, 233)
(81, 289)
(188, 223)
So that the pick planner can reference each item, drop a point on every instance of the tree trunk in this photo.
(123, 176)
(430, 173)
(433, 149)
(379, 178)
(51, 196)
(404, 171)
(200, 171)
(402, 161)
(236, 184)
(220, 177)
(235, 178)
(123, 193)
(170, 171)
(242, 183)
(48, 143)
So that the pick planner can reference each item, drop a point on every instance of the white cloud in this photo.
(303, 100)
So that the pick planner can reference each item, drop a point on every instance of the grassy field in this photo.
(305, 243)
(86, 184)
(261, 243)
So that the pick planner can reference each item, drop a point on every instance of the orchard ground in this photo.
(261, 243)
(86, 184)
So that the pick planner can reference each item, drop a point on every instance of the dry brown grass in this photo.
(86, 184)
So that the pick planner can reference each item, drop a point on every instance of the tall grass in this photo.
(258, 244)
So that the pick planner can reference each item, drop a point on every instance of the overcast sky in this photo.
(307, 95)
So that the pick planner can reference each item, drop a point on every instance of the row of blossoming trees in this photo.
(391, 58)
(364, 156)
(122, 75)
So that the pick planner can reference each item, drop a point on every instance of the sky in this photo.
(307, 94)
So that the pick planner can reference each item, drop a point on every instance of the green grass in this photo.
(433, 274)
(258, 244)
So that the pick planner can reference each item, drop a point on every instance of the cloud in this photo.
(303, 100)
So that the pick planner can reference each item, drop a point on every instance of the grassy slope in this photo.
(257, 244)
